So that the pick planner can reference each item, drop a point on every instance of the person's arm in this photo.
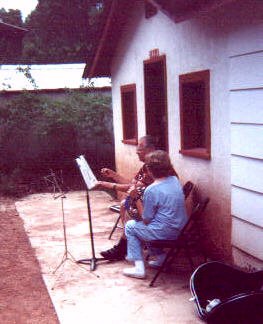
(112, 185)
(108, 173)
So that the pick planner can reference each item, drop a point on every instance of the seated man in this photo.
(142, 179)
(162, 211)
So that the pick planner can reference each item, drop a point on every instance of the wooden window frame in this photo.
(203, 152)
(125, 89)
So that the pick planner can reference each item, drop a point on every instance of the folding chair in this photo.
(187, 188)
(116, 209)
(182, 242)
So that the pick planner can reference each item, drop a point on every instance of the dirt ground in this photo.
(24, 298)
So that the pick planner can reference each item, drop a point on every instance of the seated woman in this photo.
(162, 211)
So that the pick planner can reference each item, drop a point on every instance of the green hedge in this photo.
(39, 134)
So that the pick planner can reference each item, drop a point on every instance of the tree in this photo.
(12, 17)
(63, 31)
(10, 43)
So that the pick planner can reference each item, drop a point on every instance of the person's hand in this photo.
(132, 192)
(104, 184)
(98, 184)
(139, 184)
(107, 173)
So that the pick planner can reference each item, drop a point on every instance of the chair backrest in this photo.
(187, 188)
(197, 211)
(199, 208)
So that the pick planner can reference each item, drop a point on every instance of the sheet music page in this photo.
(86, 172)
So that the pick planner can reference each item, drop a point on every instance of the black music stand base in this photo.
(92, 262)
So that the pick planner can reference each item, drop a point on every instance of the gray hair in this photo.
(150, 141)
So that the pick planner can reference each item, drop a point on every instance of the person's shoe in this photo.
(136, 272)
(157, 263)
(116, 253)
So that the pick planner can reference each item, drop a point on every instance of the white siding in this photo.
(246, 113)
(247, 140)
(247, 205)
(246, 71)
(247, 173)
(247, 107)
(246, 261)
(248, 238)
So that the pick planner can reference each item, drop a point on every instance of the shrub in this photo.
(38, 133)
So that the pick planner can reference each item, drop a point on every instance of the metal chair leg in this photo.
(115, 226)
(162, 267)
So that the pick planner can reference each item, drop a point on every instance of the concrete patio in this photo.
(104, 295)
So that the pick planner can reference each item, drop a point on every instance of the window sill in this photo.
(132, 141)
(200, 153)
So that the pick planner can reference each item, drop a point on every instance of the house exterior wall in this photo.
(193, 45)
(246, 116)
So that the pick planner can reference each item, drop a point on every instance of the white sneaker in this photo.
(134, 273)
(157, 263)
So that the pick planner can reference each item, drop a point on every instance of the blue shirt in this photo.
(164, 206)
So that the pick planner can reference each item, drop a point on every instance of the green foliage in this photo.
(38, 133)
(12, 17)
(27, 73)
(10, 45)
(61, 31)
(8, 182)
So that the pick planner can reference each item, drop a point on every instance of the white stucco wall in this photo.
(197, 44)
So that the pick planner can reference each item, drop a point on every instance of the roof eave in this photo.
(101, 61)
(91, 71)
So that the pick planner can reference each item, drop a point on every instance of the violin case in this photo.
(224, 294)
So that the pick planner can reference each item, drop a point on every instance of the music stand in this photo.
(58, 192)
(90, 181)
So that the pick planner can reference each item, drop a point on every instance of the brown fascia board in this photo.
(99, 65)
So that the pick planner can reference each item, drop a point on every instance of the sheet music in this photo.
(86, 172)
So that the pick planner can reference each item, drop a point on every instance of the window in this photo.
(155, 94)
(195, 114)
(129, 114)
